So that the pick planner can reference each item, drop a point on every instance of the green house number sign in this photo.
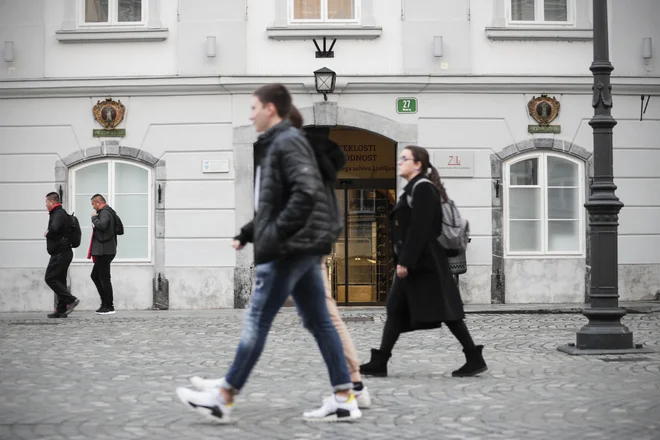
(406, 105)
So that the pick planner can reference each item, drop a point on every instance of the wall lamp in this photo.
(9, 51)
(210, 47)
(437, 47)
(325, 81)
(647, 48)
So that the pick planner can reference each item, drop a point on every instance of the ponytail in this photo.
(434, 177)
(421, 154)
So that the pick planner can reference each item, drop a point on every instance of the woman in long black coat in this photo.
(423, 293)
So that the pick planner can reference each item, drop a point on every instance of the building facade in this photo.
(498, 90)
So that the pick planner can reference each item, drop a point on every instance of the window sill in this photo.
(306, 32)
(537, 33)
(112, 35)
(545, 256)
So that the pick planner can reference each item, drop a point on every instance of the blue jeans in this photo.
(301, 278)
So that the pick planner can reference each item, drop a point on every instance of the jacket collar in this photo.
(266, 138)
(408, 188)
(54, 207)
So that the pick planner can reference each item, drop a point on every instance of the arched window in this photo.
(127, 188)
(544, 205)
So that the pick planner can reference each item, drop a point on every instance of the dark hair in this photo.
(98, 196)
(277, 95)
(295, 117)
(420, 154)
(53, 197)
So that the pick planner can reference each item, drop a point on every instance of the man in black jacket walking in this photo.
(58, 246)
(295, 225)
(102, 251)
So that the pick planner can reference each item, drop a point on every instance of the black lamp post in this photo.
(325, 81)
(604, 334)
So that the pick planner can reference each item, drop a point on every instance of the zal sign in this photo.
(454, 163)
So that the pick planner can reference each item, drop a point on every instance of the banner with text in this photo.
(368, 155)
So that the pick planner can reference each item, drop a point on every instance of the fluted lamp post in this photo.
(604, 333)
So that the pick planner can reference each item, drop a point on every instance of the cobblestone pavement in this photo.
(100, 377)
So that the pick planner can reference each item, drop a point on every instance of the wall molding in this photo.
(351, 84)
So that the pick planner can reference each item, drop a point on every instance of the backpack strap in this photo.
(412, 191)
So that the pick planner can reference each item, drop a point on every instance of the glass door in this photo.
(363, 251)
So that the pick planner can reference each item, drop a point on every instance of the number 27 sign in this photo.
(406, 105)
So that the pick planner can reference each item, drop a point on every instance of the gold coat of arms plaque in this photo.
(544, 110)
(109, 114)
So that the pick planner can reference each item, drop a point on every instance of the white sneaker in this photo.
(363, 398)
(208, 403)
(335, 411)
(205, 384)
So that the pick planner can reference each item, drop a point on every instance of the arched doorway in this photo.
(360, 267)
(322, 116)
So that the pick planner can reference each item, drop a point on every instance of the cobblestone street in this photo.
(100, 377)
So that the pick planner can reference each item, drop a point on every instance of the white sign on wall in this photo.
(454, 163)
(215, 166)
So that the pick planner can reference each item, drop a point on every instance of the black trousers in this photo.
(101, 277)
(58, 266)
(397, 310)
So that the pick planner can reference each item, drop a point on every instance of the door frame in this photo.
(345, 185)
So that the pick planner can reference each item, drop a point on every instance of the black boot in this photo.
(377, 366)
(475, 363)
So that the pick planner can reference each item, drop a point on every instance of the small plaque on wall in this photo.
(454, 163)
(215, 166)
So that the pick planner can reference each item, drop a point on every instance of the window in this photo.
(127, 189)
(113, 12)
(540, 11)
(543, 207)
(323, 11)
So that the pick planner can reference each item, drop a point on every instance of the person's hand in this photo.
(401, 271)
(237, 245)
(94, 213)
(46, 234)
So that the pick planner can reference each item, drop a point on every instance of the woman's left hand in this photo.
(401, 271)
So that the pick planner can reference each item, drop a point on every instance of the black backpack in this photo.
(119, 226)
(75, 233)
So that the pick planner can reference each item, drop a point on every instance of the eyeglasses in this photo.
(404, 158)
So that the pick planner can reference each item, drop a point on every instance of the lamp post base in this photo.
(604, 334)
(571, 349)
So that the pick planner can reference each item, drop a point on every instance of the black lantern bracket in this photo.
(642, 110)
(325, 53)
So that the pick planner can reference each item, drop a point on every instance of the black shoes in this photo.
(57, 315)
(106, 310)
(475, 363)
(377, 366)
(71, 306)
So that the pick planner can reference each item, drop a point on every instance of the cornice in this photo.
(349, 84)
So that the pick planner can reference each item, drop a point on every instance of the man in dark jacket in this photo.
(293, 228)
(102, 250)
(59, 249)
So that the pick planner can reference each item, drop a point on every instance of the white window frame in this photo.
(111, 199)
(324, 15)
(543, 185)
(113, 16)
(539, 12)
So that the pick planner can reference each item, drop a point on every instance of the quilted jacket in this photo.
(295, 213)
